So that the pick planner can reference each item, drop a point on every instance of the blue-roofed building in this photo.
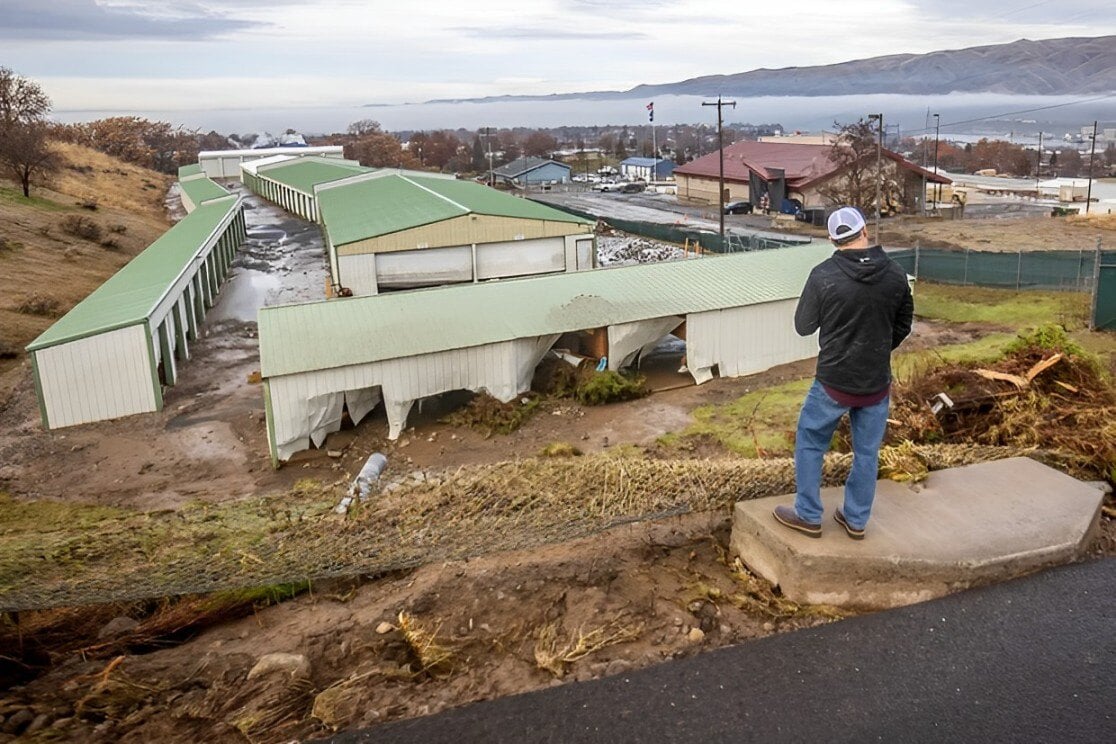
(533, 171)
(647, 169)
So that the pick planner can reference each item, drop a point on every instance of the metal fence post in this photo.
(918, 250)
(1096, 287)
(965, 275)
(1019, 272)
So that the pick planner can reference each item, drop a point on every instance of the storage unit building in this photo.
(196, 189)
(112, 353)
(317, 358)
(225, 164)
(289, 182)
(406, 230)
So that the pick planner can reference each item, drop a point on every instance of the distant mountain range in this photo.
(1071, 66)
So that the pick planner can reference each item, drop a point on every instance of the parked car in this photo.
(738, 207)
(608, 186)
(632, 188)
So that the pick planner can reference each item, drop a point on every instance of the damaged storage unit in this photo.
(112, 353)
(403, 230)
(396, 348)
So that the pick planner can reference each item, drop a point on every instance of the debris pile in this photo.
(1045, 392)
(624, 250)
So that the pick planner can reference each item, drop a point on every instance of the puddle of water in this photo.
(244, 294)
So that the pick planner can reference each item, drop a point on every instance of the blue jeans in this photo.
(816, 424)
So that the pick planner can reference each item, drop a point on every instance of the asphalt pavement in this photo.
(1030, 660)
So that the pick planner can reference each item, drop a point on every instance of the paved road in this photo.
(1032, 660)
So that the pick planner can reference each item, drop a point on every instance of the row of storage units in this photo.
(321, 359)
(225, 164)
(111, 355)
(396, 229)
(407, 230)
(195, 188)
(289, 180)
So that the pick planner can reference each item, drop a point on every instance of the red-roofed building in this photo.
(791, 171)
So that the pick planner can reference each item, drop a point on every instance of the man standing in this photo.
(861, 302)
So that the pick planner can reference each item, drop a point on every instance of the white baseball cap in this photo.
(845, 222)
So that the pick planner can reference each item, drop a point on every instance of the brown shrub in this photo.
(37, 304)
(81, 226)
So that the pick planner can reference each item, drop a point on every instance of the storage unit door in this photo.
(424, 267)
(520, 258)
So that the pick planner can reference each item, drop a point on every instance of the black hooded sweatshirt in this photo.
(862, 303)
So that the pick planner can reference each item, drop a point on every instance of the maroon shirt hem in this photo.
(857, 401)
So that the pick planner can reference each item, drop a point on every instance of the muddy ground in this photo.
(506, 623)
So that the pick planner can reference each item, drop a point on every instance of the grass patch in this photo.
(15, 196)
(985, 349)
(755, 425)
(1005, 307)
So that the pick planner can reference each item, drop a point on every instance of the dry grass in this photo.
(295, 536)
(432, 657)
(554, 654)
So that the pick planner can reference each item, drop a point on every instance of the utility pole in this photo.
(1038, 165)
(720, 104)
(879, 172)
(937, 186)
(488, 139)
(1092, 156)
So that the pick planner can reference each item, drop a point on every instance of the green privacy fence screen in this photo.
(1060, 270)
(1104, 301)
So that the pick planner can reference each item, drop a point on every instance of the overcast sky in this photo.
(188, 54)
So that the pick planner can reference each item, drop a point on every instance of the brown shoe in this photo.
(853, 532)
(788, 517)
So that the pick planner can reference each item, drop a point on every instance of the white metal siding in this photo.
(745, 340)
(358, 273)
(100, 377)
(502, 369)
(424, 267)
(520, 258)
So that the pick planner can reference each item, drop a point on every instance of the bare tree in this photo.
(27, 153)
(21, 100)
(854, 154)
(24, 148)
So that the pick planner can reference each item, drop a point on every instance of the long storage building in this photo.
(404, 230)
(318, 358)
(112, 353)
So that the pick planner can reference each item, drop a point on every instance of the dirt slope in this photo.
(45, 270)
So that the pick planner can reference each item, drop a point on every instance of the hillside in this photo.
(1070, 66)
(44, 268)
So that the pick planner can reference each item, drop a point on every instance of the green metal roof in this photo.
(131, 294)
(386, 205)
(201, 189)
(303, 174)
(342, 332)
(192, 169)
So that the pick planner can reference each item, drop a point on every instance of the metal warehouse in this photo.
(407, 230)
(110, 355)
(318, 358)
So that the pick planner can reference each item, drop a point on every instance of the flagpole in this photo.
(654, 146)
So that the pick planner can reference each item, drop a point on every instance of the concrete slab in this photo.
(958, 528)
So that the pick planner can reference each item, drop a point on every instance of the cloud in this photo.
(543, 33)
(70, 20)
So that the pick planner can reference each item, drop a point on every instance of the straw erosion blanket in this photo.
(92, 554)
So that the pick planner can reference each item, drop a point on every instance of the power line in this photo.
(1015, 113)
